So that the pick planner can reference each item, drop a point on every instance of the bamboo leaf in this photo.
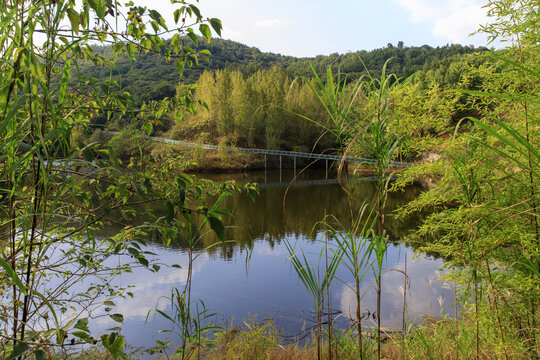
(74, 19)
(11, 273)
(514, 63)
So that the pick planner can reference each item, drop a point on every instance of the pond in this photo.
(251, 274)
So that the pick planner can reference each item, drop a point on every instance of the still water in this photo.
(251, 274)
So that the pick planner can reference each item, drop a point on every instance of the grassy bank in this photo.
(434, 338)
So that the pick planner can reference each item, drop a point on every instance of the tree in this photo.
(55, 194)
(485, 208)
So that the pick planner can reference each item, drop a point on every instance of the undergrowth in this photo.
(434, 338)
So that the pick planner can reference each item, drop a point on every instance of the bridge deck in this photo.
(270, 152)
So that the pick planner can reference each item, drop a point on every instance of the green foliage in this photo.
(149, 77)
(258, 111)
(485, 207)
(257, 340)
(55, 194)
(191, 323)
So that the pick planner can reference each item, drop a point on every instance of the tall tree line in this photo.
(261, 110)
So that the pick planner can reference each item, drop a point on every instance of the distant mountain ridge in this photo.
(151, 77)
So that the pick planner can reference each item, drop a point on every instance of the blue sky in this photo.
(316, 27)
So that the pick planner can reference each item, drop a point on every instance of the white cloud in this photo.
(421, 299)
(272, 23)
(230, 33)
(450, 19)
(150, 288)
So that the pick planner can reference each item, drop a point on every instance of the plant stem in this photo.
(403, 352)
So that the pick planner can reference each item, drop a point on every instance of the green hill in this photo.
(151, 77)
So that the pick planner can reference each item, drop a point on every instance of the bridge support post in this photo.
(294, 166)
(280, 173)
(265, 168)
(326, 168)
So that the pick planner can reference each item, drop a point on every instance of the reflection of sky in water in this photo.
(425, 293)
(270, 287)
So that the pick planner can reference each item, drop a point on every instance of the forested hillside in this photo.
(149, 76)
(272, 109)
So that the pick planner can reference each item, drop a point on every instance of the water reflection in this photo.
(426, 293)
(267, 285)
(291, 208)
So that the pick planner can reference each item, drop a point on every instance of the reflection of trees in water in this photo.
(265, 219)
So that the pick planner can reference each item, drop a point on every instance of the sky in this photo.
(316, 27)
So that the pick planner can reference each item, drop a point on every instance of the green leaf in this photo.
(98, 6)
(11, 273)
(74, 19)
(117, 317)
(118, 46)
(154, 15)
(168, 208)
(143, 261)
(180, 67)
(216, 25)
(155, 26)
(196, 11)
(182, 194)
(163, 343)
(114, 343)
(193, 37)
(217, 225)
(19, 349)
(134, 252)
(88, 154)
(206, 32)
(83, 336)
(223, 212)
(40, 355)
(82, 324)
(175, 40)
(148, 128)
(109, 303)
(131, 49)
(205, 52)
(187, 179)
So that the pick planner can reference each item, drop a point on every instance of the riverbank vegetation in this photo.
(56, 193)
(477, 112)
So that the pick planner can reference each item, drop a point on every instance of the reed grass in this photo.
(434, 338)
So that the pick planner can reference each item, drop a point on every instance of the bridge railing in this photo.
(298, 154)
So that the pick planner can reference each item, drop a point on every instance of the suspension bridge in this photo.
(270, 152)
